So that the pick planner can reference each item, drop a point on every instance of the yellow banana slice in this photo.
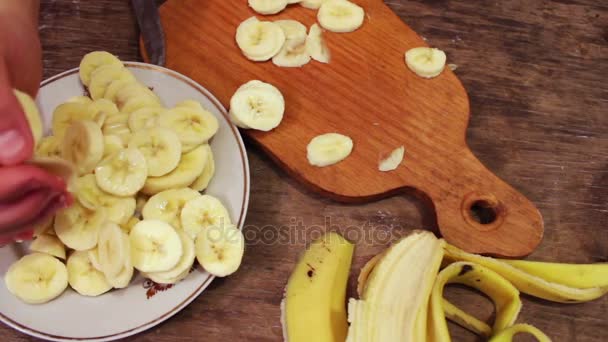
(48, 244)
(161, 147)
(504, 295)
(155, 246)
(204, 178)
(67, 113)
(114, 87)
(83, 145)
(117, 125)
(101, 108)
(123, 173)
(84, 278)
(118, 209)
(94, 60)
(31, 114)
(78, 227)
(292, 56)
(295, 32)
(189, 168)
(80, 99)
(259, 40)
(194, 127)
(167, 205)
(312, 4)
(328, 149)
(340, 16)
(93, 255)
(182, 268)
(103, 76)
(219, 249)
(134, 96)
(581, 276)
(37, 278)
(203, 212)
(112, 144)
(425, 62)
(267, 7)
(112, 249)
(258, 105)
(508, 334)
(392, 161)
(49, 146)
(146, 117)
(315, 45)
(123, 279)
(529, 283)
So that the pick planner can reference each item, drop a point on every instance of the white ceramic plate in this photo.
(142, 305)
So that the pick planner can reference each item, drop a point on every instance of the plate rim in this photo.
(244, 208)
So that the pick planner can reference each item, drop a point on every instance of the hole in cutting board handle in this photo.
(482, 211)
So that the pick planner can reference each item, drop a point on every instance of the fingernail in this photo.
(11, 146)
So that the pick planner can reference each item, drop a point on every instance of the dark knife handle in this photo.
(151, 29)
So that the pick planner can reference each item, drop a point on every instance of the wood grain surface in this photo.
(535, 72)
(367, 93)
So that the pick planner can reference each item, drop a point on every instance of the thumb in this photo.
(16, 140)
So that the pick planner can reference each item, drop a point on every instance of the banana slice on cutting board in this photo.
(84, 278)
(161, 147)
(425, 62)
(328, 149)
(118, 209)
(312, 4)
(146, 117)
(94, 60)
(293, 53)
(37, 278)
(167, 205)
(104, 75)
(258, 105)
(220, 249)
(155, 246)
(48, 244)
(78, 227)
(122, 174)
(193, 127)
(181, 270)
(267, 6)
(393, 160)
(83, 145)
(315, 45)
(112, 249)
(31, 114)
(203, 212)
(204, 178)
(187, 171)
(340, 16)
(259, 40)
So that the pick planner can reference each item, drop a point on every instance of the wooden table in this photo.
(535, 71)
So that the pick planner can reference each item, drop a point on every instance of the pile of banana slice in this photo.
(141, 168)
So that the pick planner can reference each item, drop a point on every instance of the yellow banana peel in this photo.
(580, 276)
(508, 334)
(456, 315)
(504, 295)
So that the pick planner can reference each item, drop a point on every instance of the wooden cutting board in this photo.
(367, 93)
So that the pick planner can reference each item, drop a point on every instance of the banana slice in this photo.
(104, 75)
(155, 246)
(117, 125)
(49, 146)
(83, 145)
(295, 32)
(114, 87)
(184, 265)
(94, 60)
(425, 62)
(122, 174)
(93, 255)
(137, 103)
(101, 109)
(258, 105)
(340, 16)
(220, 249)
(146, 117)
(194, 127)
(48, 244)
(112, 249)
(312, 4)
(134, 96)
(111, 144)
(84, 278)
(292, 57)
(315, 45)
(192, 104)
(203, 180)
(187, 171)
(259, 40)
(37, 278)
(328, 149)
(392, 161)
(67, 113)
(78, 227)
(31, 113)
(123, 279)
(161, 147)
(268, 6)
(118, 209)
(203, 212)
(80, 99)
(167, 205)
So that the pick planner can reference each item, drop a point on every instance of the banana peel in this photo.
(508, 334)
(580, 276)
(504, 295)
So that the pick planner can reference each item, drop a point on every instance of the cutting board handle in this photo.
(479, 212)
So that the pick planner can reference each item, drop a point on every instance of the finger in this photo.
(16, 140)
